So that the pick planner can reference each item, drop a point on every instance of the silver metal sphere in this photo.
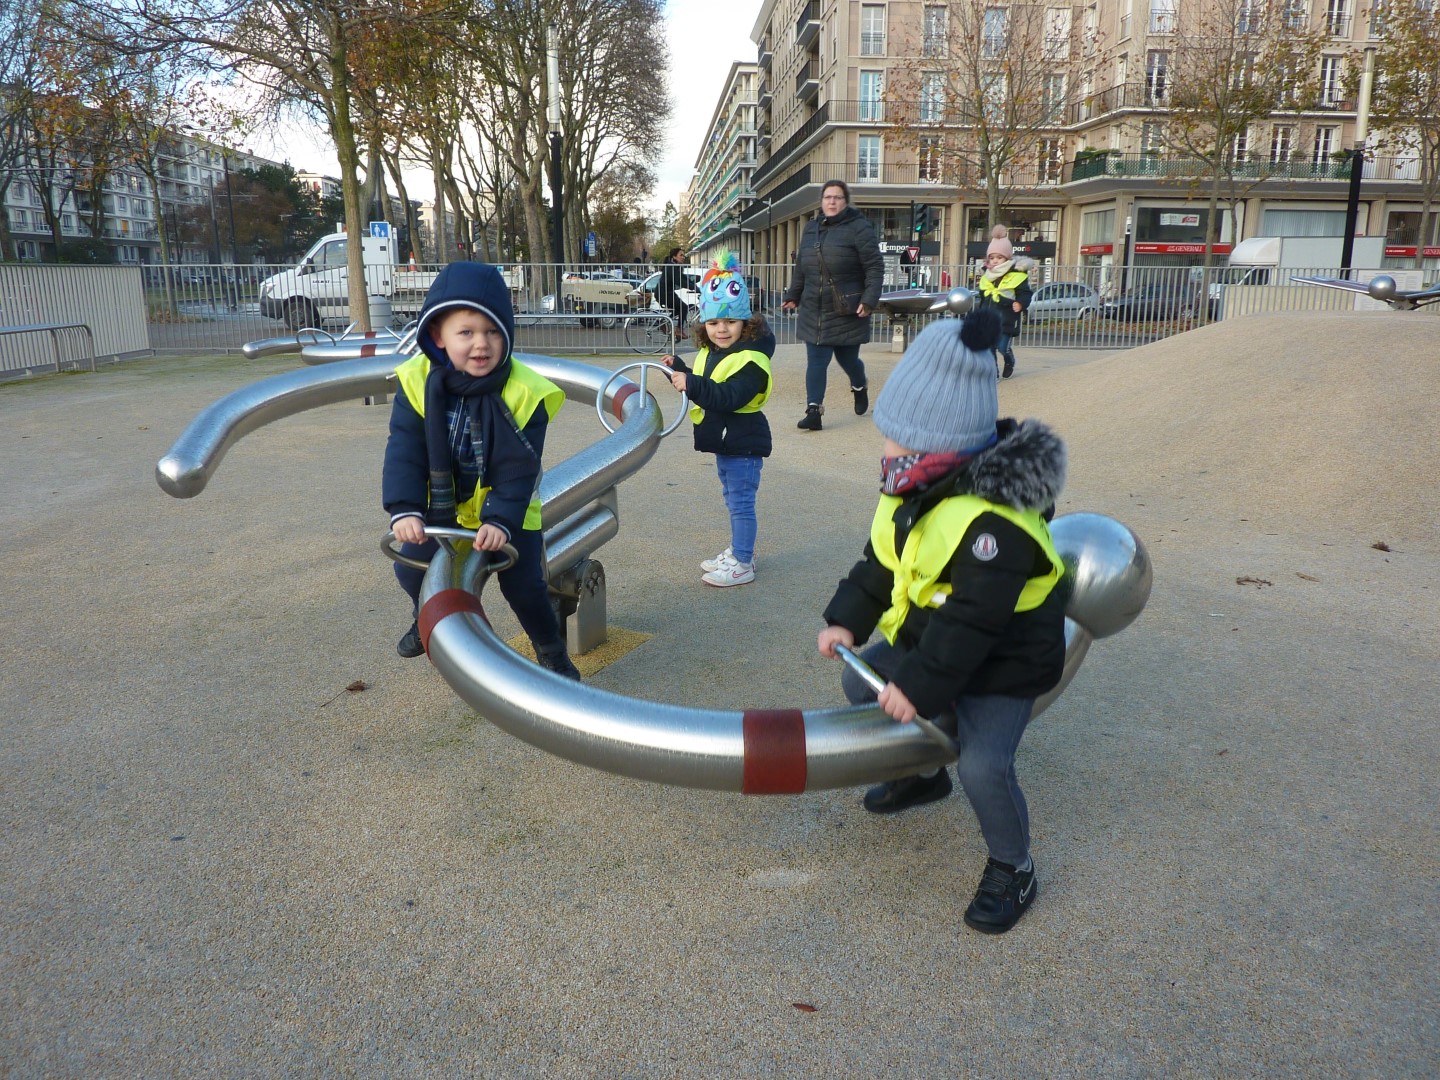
(1382, 287)
(960, 300)
(1109, 571)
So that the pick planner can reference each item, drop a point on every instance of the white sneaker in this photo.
(734, 573)
(725, 558)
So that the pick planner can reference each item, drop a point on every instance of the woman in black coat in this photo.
(835, 284)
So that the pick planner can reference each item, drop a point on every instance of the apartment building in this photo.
(1094, 189)
(191, 170)
(721, 185)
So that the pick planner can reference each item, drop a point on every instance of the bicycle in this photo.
(650, 332)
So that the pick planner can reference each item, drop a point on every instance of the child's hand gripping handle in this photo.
(866, 672)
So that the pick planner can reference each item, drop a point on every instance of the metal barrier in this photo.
(69, 333)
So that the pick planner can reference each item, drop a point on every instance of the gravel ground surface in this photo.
(220, 861)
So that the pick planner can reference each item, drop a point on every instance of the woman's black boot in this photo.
(811, 422)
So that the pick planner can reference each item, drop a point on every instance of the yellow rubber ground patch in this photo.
(618, 642)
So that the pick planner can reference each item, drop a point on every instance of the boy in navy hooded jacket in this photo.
(466, 436)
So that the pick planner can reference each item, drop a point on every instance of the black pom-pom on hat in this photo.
(981, 329)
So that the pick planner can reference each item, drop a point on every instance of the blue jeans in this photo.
(988, 728)
(525, 587)
(739, 483)
(817, 367)
(1003, 349)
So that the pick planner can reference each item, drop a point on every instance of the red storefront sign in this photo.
(1401, 251)
(1180, 249)
(1097, 249)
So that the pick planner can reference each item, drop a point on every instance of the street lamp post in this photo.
(557, 211)
(1357, 157)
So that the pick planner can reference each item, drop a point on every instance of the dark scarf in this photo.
(483, 428)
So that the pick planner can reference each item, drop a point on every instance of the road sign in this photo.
(592, 244)
(380, 229)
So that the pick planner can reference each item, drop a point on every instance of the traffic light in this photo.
(919, 219)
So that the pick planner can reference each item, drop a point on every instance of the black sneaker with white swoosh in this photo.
(1002, 897)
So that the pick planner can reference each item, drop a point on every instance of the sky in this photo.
(702, 48)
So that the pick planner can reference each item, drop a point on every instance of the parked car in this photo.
(1063, 300)
(1158, 301)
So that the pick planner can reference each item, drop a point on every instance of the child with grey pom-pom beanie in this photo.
(960, 577)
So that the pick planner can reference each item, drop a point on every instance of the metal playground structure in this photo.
(783, 750)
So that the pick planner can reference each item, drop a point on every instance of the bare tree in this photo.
(302, 54)
(1406, 101)
(987, 92)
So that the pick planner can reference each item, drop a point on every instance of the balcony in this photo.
(764, 98)
(793, 144)
(807, 27)
(807, 82)
(765, 55)
(1171, 167)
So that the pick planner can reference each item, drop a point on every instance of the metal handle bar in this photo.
(866, 672)
(447, 536)
(642, 364)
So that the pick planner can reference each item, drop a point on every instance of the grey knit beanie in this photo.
(941, 396)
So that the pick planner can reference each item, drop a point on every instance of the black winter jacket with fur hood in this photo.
(975, 642)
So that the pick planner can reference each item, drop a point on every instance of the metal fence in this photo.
(54, 317)
(605, 310)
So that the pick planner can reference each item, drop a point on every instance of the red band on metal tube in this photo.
(774, 752)
(444, 604)
(622, 395)
(368, 350)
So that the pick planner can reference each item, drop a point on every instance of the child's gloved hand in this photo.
(674, 363)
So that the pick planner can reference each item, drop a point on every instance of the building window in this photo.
(1052, 161)
(1379, 14)
(1330, 74)
(872, 89)
(932, 97)
(1097, 227)
(994, 91)
(933, 42)
(1162, 16)
(872, 30)
(67, 222)
(1296, 15)
(994, 33)
(1337, 18)
(20, 220)
(867, 164)
(1326, 140)
(1282, 141)
(1057, 34)
(1052, 96)
(1152, 137)
(1240, 148)
(931, 159)
(1157, 76)
(1243, 73)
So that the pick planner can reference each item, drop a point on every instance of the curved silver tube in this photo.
(758, 751)
(354, 346)
(185, 470)
(286, 342)
(190, 463)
